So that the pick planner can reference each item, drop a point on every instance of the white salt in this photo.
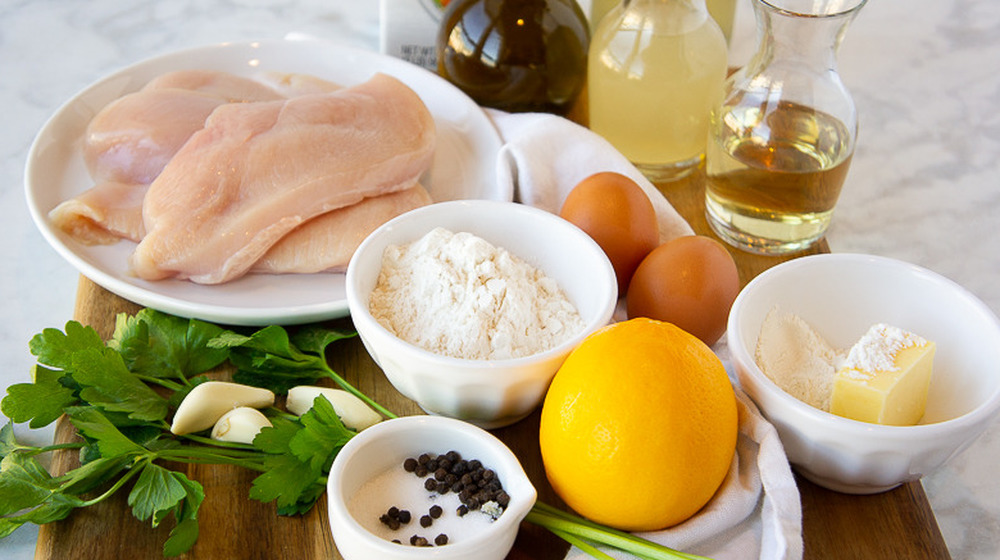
(396, 487)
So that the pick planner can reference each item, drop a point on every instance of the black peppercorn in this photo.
(388, 521)
(417, 540)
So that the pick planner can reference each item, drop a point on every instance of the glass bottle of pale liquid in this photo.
(782, 139)
(655, 71)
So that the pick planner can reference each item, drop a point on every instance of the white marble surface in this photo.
(923, 187)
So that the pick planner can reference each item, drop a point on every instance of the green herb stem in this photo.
(250, 460)
(559, 521)
(218, 443)
(277, 412)
(165, 383)
(581, 544)
(114, 487)
(350, 389)
(58, 446)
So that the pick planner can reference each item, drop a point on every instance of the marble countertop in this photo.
(923, 186)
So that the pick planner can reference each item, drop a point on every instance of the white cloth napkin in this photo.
(756, 514)
(545, 156)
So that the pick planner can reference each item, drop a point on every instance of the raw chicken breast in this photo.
(230, 87)
(294, 84)
(128, 143)
(133, 138)
(327, 242)
(105, 213)
(256, 171)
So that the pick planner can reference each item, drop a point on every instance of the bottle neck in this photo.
(808, 32)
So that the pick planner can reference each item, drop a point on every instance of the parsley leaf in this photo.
(109, 384)
(185, 533)
(8, 443)
(157, 344)
(55, 348)
(156, 493)
(41, 402)
(267, 358)
(24, 483)
(315, 339)
(286, 477)
(285, 482)
(57, 507)
(96, 427)
(321, 437)
(274, 439)
(301, 452)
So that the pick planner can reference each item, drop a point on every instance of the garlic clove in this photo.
(353, 412)
(240, 425)
(206, 403)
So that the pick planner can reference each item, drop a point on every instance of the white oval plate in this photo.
(463, 168)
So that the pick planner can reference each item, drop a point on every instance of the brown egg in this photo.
(691, 282)
(618, 215)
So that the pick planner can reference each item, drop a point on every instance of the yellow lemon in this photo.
(639, 426)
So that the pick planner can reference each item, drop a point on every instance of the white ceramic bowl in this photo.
(385, 446)
(489, 393)
(840, 296)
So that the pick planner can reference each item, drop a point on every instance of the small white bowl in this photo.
(488, 393)
(840, 296)
(386, 445)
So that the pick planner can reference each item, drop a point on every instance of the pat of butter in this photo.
(885, 378)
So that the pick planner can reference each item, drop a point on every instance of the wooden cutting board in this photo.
(897, 524)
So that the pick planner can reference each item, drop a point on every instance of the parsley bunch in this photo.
(118, 396)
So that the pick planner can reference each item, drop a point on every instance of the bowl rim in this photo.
(737, 348)
(359, 310)
(519, 505)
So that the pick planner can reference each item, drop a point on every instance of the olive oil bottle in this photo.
(515, 55)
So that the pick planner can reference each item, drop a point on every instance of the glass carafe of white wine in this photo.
(782, 140)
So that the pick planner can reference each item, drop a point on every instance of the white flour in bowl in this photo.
(797, 358)
(457, 295)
